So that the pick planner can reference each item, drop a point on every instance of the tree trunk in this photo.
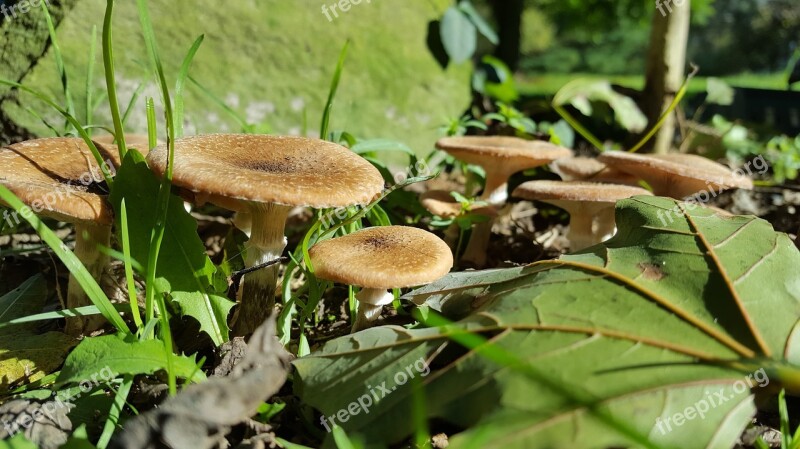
(508, 14)
(25, 39)
(666, 65)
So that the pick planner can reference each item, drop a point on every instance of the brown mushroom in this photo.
(379, 259)
(591, 170)
(266, 176)
(677, 175)
(59, 178)
(590, 206)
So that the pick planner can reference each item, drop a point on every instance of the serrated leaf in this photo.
(184, 269)
(123, 355)
(459, 35)
(30, 357)
(680, 307)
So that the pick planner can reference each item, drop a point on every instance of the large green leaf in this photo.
(606, 345)
(459, 35)
(581, 92)
(95, 357)
(184, 269)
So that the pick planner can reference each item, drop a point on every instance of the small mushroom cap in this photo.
(59, 178)
(442, 204)
(382, 257)
(590, 169)
(515, 153)
(676, 175)
(576, 191)
(227, 169)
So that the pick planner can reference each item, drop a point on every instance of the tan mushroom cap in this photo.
(590, 169)
(59, 178)
(676, 175)
(576, 191)
(514, 152)
(382, 258)
(226, 169)
(442, 204)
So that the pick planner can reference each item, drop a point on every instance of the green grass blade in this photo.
(73, 121)
(675, 101)
(166, 182)
(132, 103)
(90, 78)
(111, 83)
(75, 267)
(126, 251)
(576, 125)
(152, 126)
(62, 71)
(337, 75)
(60, 314)
(179, 85)
(112, 421)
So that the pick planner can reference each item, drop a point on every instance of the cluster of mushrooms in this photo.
(588, 191)
(263, 178)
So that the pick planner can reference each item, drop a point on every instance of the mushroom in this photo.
(140, 142)
(59, 178)
(441, 203)
(592, 170)
(590, 206)
(266, 176)
(379, 259)
(500, 157)
(677, 175)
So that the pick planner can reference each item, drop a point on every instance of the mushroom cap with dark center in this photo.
(292, 171)
(576, 191)
(514, 153)
(676, 175)
(590, 169)
(59, 178)
(383, 258)
(442, 204)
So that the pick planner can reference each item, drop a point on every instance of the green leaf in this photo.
(459, 35)
(123, 355)
(608, 347)
(579, 93)
(30, 357)
(484, 28)
(27, 299)
(18, 441)
(184, 270)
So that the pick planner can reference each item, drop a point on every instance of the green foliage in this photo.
(124, 355)
(655, 319)
(459, 29)
(184, 270)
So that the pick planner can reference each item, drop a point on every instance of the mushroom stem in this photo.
(370, 304)
(475, 253)
(580, 234)
(266, 244)
(88, 239)
(495, 191)
(589, 225)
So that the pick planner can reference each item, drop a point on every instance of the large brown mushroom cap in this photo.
(382, 258)
(59, 178)
(442, 204)
(518, 154)
(292, 171)
(676, 175)
(576, 191)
